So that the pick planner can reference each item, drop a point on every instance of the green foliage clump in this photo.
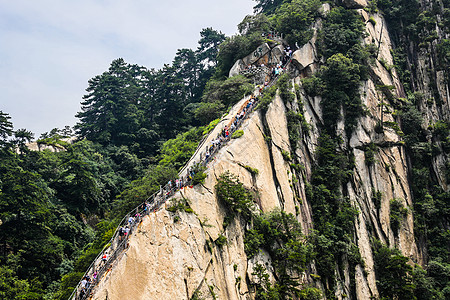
(397, 214)
(211, 126)
(267, 6)
(263, 287)
(234, 48)
(342, 30)
(285, 86)
(140, 189)
(180, 205)
(369, 153)
(295, 122)
(394, 125)
(221, 241)
(267, 98)
(252, 171)
(258, 23)
(199, 176)
(411, 121)
(206, 111)
(294, 18)
(342, 77)
(431, 205)
(394, 275)
(432, 283)
(286, 155)
(175, 152)
(310, 293)
(197, 295)
(211, 291)
(376, 198)
(443, 51)
(232, 193)
(229, 91)
(237, 134)
(314, 85)
(280, 235)
(11, 287)
(346, 65)
(401, 16)
(333, 213)
(441, 132)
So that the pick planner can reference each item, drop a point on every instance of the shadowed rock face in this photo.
(172, 260)
(355, 3)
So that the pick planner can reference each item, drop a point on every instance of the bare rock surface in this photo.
(172, 260)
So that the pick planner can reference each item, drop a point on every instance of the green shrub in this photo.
(180, 204)
(211, 126)
(252, 171)
(234, 48)
(263, 287)
(199, 174)
(285, 85)
(211, 291)
(394, 126)
(369, 153)
(237, 134)
(280, 235)
(294, 19)
(393, 274)
(379, 127)
(253, 240)
(295, 121)
(314, 85)
(197, 295)
(376, 198)
(310, 293)
(232, 193)
(397, 213)
(342, 29)
(267, 98)
(221, 241)
(286, 155)
(342, 77)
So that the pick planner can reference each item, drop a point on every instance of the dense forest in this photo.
(138, 127)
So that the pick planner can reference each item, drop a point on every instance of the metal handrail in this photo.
(161, 196)
(157, 199)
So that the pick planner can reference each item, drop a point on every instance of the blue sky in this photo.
(50, 49)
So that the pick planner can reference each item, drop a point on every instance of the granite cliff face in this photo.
(173, 259)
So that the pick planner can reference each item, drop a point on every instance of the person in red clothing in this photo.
(105, 257)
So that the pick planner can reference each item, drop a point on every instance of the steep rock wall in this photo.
(168, 259)
(171, 260)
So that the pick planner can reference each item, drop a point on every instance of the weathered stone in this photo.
(276, 55)
(259, 52)
(237, 68)
(355, 3)
(170, 260)
(304, 56)
(324, 9)
(277, 123)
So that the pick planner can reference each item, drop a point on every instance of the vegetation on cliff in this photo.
(138, 127)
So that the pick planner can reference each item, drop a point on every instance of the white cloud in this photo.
(49, 49)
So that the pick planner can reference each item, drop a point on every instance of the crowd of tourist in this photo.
(211, 148)
(270, 71)
(119, 241)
